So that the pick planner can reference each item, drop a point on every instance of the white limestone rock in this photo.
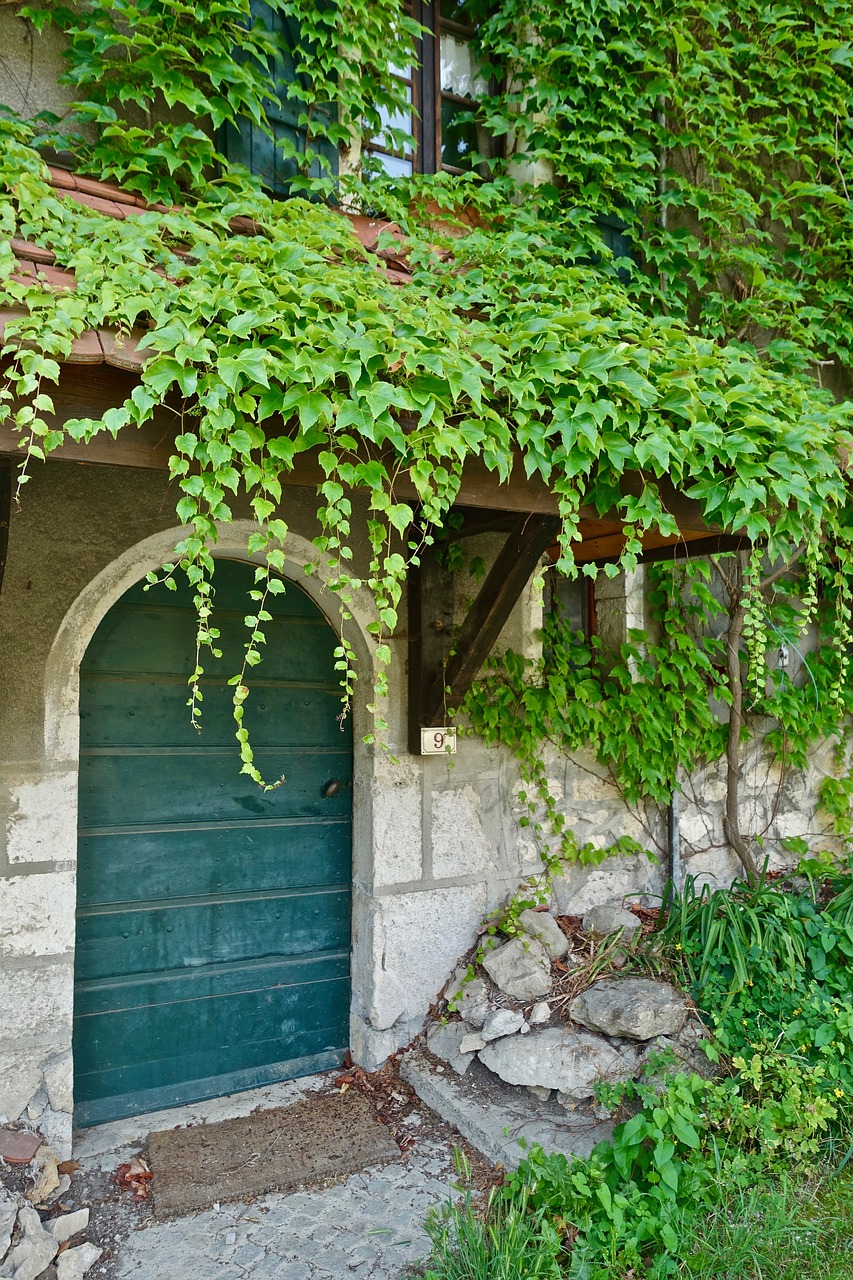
(503, 1022)
(34, 1251)
(471, 1043)
(637, 1008)
(20, 1080)
(46, 1175)
(542, 926)
(446, 1043)
(605, 920)
(8, 1213)
(474, 1004)
(521, 969)
(539, 1014)
(74, 1263)
(70, 1224)
(556, 1058)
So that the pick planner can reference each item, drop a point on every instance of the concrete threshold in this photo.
(101, 1146)
(500, 1119)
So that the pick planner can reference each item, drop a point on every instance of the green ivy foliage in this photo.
(646, 712)
(521, 342)
(720, 133)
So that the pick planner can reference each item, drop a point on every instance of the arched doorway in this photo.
(213, 919)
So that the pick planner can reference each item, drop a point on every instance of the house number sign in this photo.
(438, 742)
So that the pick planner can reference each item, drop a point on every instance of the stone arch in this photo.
(57, 820)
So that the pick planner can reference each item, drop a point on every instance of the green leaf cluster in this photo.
(519, 340)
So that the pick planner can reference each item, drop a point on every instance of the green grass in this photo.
(797, 1232)
(501, 1242)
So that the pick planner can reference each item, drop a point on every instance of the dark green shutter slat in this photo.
(251, 146)
(213, 925)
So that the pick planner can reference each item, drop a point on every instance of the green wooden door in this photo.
(213, 920)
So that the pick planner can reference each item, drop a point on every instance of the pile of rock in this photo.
(37, 1240)
(606, 1033)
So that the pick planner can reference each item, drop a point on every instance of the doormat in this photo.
(315, 1142)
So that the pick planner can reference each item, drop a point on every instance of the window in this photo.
(442, 86)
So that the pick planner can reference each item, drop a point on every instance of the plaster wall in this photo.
(31, 63)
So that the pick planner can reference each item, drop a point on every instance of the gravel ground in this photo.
(368, 1225)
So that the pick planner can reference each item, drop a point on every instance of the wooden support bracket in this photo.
(441, 675)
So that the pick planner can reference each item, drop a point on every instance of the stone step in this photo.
(494, 1116)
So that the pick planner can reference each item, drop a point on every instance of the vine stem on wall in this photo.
(731, 820)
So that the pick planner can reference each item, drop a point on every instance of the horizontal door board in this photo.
(115, 788)
(133, 941)
(98, 1110)
(229, 1033)
(184, 986)
(299, 852)
(150, 712)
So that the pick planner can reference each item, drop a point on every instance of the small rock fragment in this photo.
(539, 1014)
(542, 926)
(471, 1043)
(604, 920)
(521, 969)
(74, 1263)
(445, 1043)
(68, 1225)
(539, 1091)
(34, 1251)
(8, 1214)
(64, 1185)
(503, 1022)
(47, 1175)
(474, 1004)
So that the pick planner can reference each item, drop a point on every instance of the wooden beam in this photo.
(88, 391)
(430, 591)
(704, 545)
(500, 592)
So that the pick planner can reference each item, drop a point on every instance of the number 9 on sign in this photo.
(438, 742)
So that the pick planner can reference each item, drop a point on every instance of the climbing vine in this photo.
(521, 338)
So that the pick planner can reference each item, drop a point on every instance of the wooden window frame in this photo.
(427, 95)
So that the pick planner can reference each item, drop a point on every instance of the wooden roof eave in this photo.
(88, 390)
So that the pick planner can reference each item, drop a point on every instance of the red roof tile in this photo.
(107, 346)
(33, 252)
(122, 350)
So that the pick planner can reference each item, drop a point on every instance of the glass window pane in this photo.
(395, 120)
(393, 165)
(460, 71)
(458, 140)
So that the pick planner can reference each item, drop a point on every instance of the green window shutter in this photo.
(250, 146)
